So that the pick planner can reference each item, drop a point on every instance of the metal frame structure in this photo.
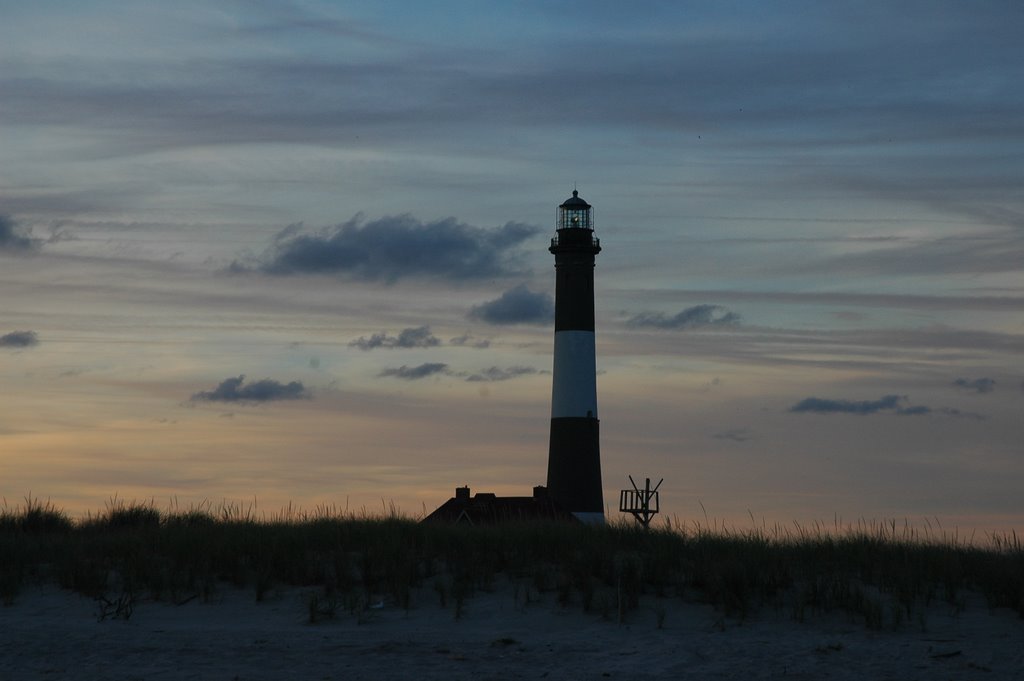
(639, 501)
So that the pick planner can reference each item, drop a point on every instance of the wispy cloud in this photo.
(869, 300)
(976, 385)
(696, 317)
(757, 85)
(467, 340)
(734, 435)
(408, 373)
(19, 339)
(266, 390)
(517, 305)
(893, 404)
(957, 413)
(392, 248)
(499, 374)
(427, 369)
(888, 403)
(415, 337)
(997, 251)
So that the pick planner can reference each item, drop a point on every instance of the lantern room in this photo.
(575, 213)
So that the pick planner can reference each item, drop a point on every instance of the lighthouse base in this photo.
(574, 467)
(590, 518)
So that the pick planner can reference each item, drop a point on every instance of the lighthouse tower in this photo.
(574, 454)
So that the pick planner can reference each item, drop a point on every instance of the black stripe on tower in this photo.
(574, 465)
(574, 251)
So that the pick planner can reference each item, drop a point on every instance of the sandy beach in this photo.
(48, 633)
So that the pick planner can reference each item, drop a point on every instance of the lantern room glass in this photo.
(572, 218)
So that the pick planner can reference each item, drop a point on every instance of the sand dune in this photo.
(53, 634)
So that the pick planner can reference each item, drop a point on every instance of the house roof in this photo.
(485, 508)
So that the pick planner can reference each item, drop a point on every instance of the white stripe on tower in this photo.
(574, 384)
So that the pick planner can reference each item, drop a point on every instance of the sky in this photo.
(282, 253)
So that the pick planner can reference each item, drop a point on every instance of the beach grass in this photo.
(883, 574)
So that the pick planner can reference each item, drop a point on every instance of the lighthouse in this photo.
(574, 452)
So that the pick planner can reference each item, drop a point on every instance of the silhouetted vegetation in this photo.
(882, 574)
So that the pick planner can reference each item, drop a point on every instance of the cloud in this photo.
(470, 341)
(19, 339)
(266, 390)
(416, 337)
(893, 403)
(12, 239)
(977, 385)
(407, 373)
(696, 317)
(499, 374)
(956, 413)
(427, 369)
(398, 246)
(517, 305)
(734, 435)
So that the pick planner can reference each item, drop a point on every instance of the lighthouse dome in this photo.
(575, 203)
